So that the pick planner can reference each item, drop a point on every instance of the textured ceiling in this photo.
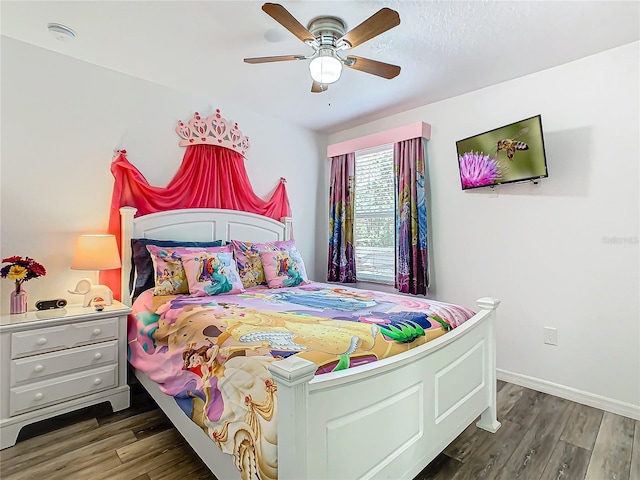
(445, 48)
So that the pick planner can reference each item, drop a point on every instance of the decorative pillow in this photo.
(249, 263)
(143, 271)
(211, 273)
(170, 276)
(282, 264)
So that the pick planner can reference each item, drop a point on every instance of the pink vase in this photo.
(18, 301)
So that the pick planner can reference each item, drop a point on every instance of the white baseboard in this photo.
(608, 404)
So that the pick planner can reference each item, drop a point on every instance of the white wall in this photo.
(61, 120)
(543, 249)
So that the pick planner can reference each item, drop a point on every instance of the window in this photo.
(374, 222)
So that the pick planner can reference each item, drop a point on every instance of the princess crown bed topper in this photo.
(296, 382)
(212, 175)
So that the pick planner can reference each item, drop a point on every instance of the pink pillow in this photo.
(169, 274)
(282, 263)
(211, 273)
(248, 263)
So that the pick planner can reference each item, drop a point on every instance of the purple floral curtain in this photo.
(342, 264)
(412, 259)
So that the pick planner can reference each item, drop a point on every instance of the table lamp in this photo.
(95, 252)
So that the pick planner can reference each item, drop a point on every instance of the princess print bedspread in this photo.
(212, 354)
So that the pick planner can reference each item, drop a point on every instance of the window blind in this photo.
(374, 223)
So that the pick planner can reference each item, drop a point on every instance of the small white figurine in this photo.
(93, 292)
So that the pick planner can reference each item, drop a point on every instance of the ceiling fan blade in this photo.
(381, 69)
(288, 21)
(318, 87)
(280, 58)
(385, 19)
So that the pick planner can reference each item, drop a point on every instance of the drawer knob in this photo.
(38, 368)
(97, 331)
(97, 381)
(41, 341)
(38, 396)
(97, 356)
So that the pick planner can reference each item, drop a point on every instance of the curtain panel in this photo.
(210, 176)
(342, 265)
(412, 268)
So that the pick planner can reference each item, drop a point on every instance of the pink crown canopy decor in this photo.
(213, 130)
(212, 175)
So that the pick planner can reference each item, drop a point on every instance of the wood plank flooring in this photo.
(542, 438)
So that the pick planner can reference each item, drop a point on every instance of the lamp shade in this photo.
(96, 252)
(326, 67)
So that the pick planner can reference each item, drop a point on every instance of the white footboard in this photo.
(388, 419)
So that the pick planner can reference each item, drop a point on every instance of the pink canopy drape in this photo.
(209, 177)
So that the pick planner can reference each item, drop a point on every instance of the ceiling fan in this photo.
(327, 36)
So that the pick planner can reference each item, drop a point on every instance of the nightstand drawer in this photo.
(56, 363)
(64, 336)
(38, 395)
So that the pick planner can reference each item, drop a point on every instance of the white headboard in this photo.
(196, 225)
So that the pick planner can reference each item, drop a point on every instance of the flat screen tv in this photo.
(509, 154)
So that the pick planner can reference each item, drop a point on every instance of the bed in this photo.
(329, 426)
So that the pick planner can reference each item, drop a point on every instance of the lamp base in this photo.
(98, 292)
(93, 292)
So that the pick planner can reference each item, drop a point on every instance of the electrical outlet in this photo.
(551, 335)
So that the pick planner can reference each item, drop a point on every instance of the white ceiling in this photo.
(445, 48)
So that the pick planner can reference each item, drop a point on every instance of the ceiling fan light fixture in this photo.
(326, 67)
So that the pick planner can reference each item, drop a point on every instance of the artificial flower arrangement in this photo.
(21, 269)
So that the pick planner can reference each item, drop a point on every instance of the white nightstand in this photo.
(57, 361)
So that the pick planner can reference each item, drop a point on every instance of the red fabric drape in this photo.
(209, 177)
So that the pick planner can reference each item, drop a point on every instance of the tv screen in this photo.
(513, 153)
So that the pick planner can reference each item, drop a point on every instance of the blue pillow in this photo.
(142, 264)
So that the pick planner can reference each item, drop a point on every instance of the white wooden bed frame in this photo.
(387, 419)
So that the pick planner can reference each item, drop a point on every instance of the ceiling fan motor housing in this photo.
(327, 30)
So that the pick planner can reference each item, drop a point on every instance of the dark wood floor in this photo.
(542, 438)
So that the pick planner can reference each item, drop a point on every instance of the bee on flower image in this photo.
(517, 150)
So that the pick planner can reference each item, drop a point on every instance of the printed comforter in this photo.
(212, 353)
